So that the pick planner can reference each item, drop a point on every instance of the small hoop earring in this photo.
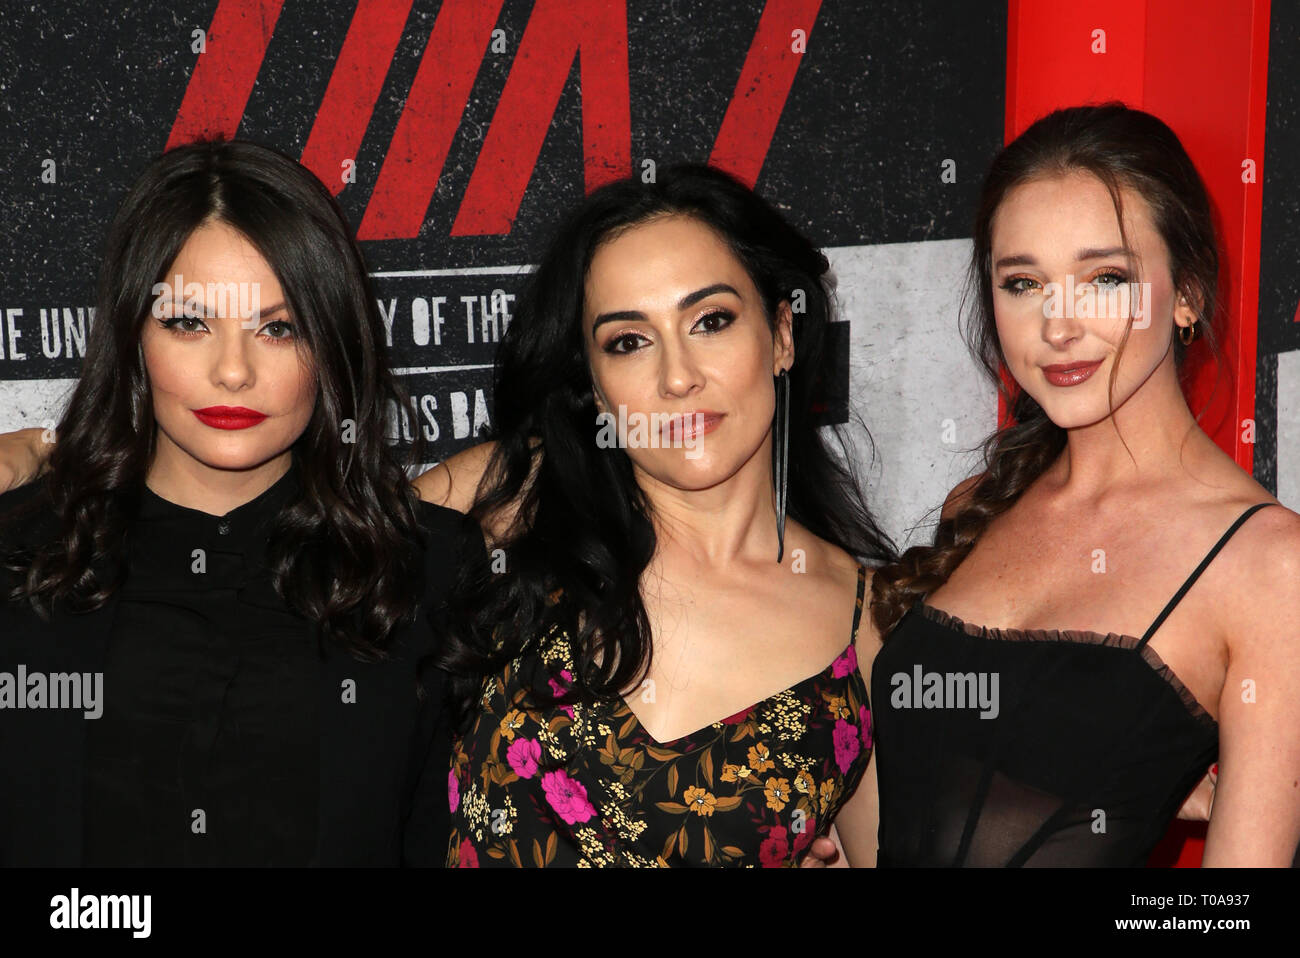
(1187, 333)
(781, 456)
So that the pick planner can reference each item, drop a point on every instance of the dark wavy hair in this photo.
(342, 554)
(1123, 148)
(582, 533)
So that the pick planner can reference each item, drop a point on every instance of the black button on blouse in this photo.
(207, 749)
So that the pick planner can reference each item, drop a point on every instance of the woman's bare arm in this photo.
(1256, 819)
(23, 455)
(454, 482)
(858, 822)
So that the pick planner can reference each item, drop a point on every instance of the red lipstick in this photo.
(229, 417)
(1070, 374)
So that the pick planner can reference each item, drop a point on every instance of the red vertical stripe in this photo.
(764, 85)
(429, 119)
(555, 33)
(224, 75)
(354, 87)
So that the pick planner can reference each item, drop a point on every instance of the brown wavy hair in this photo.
(1123, 148)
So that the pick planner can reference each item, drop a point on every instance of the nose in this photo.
(1061, 327)
(679, 374)
(232, 366)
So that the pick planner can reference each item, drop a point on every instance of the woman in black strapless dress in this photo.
(1040, 699)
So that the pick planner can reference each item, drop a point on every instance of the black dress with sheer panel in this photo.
(1032, 747)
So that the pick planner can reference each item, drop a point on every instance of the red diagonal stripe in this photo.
(429, 119)
(354, 88)
(555, 32)
(606, 98)
(763, 87)
(224, 75)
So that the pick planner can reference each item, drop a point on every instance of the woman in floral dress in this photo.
(656, 445)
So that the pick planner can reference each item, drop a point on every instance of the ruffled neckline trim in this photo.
(1078, 637)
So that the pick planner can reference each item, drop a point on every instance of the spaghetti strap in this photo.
(1196, 574)
(857, 611)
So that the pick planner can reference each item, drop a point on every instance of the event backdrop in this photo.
(453, 134)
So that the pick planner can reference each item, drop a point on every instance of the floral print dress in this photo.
(585, 785)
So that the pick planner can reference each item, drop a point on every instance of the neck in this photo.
(1141, 443)
(733, 521)
(185, 481)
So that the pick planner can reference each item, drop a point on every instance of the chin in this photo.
(691, 475)
(1076, 413)
(235, 453)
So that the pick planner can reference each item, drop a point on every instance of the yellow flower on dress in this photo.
(803, 782)
(760, 758)
(837, 705)
(699, 801)
(827, 793)
(514, 719)
(735, 773)
(777, 791)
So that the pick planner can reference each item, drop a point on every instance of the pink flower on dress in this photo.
(558, 688)
(567, 797)
(523, 756)
(774, 850)
(846, 663)
(453, 790)
(864, 722)
(468, 856)
(847, 745)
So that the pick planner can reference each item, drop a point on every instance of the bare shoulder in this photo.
(867, 638)
(959, 496)
(1268, 560)
(1256, 582)
(454, 482)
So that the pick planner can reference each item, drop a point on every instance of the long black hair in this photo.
(582, 534)
(343, 554)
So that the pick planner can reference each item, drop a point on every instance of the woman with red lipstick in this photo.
(1128, 594)
(644, 685)
(226, 546)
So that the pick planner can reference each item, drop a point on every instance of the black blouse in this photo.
(204, 752)
(229, 735)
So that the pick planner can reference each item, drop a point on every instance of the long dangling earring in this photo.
(781, 456)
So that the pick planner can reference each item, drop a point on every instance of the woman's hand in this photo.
(1199, 804)
(22, 457)
(824, 853)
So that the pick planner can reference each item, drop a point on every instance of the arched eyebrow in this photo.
(1087, 254)
(686, 302)
(209, 314)
(1083, 255)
